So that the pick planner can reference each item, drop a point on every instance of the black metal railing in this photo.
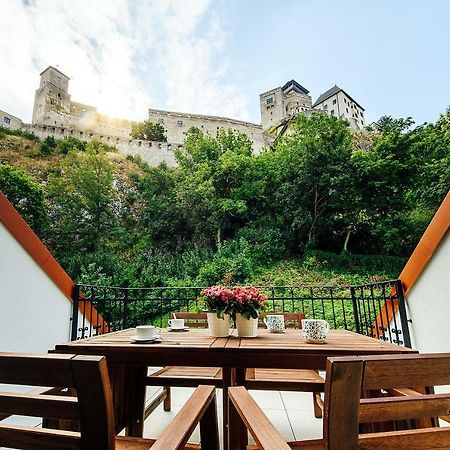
(377, 310)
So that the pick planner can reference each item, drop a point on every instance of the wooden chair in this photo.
(92, 407)
(257, 379)
(394, 415)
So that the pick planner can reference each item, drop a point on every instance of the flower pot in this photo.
(246, 327)
(218, 327)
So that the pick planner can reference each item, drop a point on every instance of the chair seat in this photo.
(315, 444)
(133, 443)
(272, 379)
(196, 372)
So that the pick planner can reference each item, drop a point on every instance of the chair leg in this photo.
(167, 403)
(317, 401)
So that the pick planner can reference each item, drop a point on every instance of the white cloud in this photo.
(122, 56)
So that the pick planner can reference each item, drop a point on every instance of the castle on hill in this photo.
(55, 113)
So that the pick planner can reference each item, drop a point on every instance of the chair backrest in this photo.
(192, 320)
(92, 407)
(291, 320)
(392, 397)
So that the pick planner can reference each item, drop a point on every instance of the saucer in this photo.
(177, 329)
(156, 338)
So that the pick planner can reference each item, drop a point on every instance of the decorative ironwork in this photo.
(376, 310)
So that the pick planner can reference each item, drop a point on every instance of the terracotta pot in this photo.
(246, 327)
(218, 327)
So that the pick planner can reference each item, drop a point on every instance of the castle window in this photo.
(269, 101)
(6, 120)
(334, 101)
(346, 109)
(160, 120)
(325, 106)
(332, 112)
(179, 123)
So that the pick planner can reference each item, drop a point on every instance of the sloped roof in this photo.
(31, 243)
(293, 85)
(334, 90)
(427, 245)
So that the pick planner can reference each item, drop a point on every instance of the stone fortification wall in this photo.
(153, 153)
(178, 124)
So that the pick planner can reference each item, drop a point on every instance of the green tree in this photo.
(313, 184)
(212, 171)
(148, 131)
(81, 194)
(26, 195)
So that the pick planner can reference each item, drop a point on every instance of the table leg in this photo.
(226, 383)
(135, 400)
(237, 432)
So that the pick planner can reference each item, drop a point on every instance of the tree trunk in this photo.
(347, 238)
(219, 238)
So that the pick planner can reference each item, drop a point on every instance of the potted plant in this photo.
(248, 303)
(219, 305)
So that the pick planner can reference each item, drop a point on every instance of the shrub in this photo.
(47, 146)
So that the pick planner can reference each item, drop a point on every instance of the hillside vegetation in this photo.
(321, 206)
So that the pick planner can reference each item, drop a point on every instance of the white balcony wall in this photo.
(34, 313)
(428, 302)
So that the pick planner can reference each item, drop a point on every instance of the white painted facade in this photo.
(35, 314)
(428, 303)
(342, 106)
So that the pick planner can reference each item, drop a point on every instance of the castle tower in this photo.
(283, 102)
(52, 99)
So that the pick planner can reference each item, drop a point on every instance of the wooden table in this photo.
(128, 361)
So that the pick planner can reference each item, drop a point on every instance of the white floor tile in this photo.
(304, 424)
(298, 400)
(268, 399)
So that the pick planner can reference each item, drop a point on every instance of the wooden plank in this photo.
(340, 416)
(91, 380)
(13, 436)
(35, 370)
(263, 432)
(399, 408)
(26, 404)
(176, 435)
(409, 370)
(424, 438)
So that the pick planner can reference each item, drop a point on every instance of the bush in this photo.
(265, 244)
(18, 132)
(71, 143)
(47, 146)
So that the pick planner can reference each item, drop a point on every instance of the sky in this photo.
(217, 56)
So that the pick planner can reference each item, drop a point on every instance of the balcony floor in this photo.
(290, 412)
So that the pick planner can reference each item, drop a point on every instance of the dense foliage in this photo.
(312, 201)
(148, 131)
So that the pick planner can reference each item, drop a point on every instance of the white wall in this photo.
(34, 313)
(429, 303)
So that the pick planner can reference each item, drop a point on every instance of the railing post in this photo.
(75, 305)
(402, 312)
(355, 309)
(125, 309)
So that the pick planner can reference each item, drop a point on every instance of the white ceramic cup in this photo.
(274, 323)
(176, 324)
(146, 332)
(315, 330)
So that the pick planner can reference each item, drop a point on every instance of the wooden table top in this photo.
(196, 348)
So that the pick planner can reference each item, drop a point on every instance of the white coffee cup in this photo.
(176, 324)
(315, 330)
(146, 332)
(274, 323)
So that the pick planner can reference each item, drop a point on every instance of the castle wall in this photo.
(153, 153)
(178, 124)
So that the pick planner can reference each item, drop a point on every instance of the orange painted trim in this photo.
(31, 243)
(422, 254)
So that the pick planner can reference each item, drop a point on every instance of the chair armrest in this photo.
(201, 403)
(264, 433)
